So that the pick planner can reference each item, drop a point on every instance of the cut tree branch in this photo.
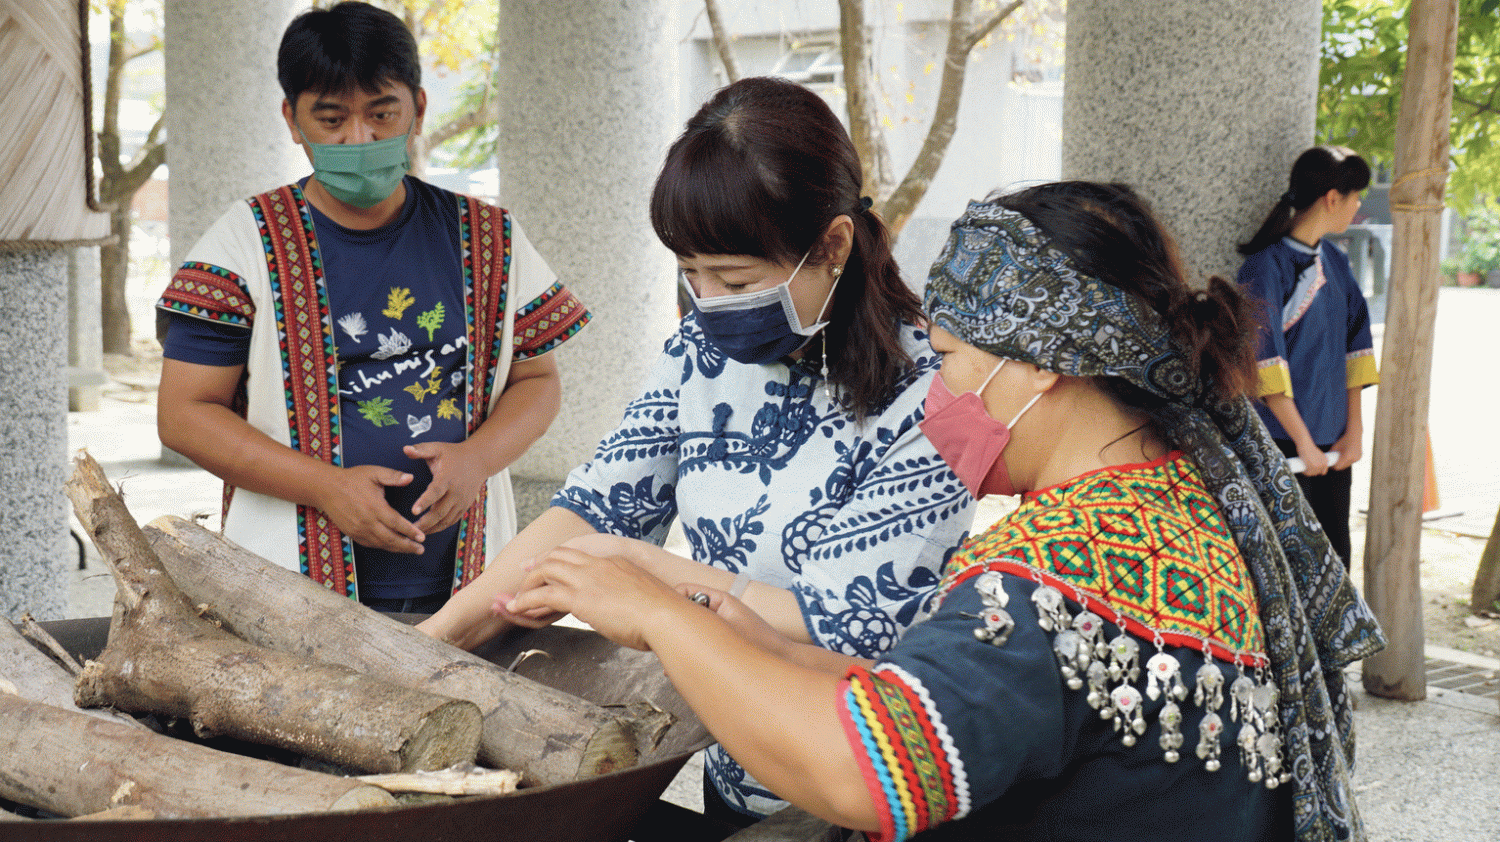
(163, 657)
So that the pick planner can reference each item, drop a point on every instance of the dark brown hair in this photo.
(1111, 234)
(762, 170)
(1318, 170)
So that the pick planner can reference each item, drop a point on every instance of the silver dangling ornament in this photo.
(1164, 676)
(1128, 716)
(1209, 730)
(998, 624)
(1052, 614)
(1171, 731)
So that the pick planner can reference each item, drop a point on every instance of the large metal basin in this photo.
(606, 808)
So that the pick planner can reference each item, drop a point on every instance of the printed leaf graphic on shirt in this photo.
(431, 320)
(418, 426)
(448, 408)
(420, 390)
(393, 345)
(378, 412)
(354, 325)
(397, 301)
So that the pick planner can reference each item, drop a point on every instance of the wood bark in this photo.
(38, 678)
(163, 657)
(73, 765)
(547, 735)
(1486, 590)
(1393, 582)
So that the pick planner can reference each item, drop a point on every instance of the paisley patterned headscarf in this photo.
(1002, 287)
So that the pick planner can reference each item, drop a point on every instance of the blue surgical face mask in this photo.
(756, 327)
(360, 174)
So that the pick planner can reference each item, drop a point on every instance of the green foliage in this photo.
(1479, 246)
(1363, 58)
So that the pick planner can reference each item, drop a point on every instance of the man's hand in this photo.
(355, 502)
(1314, 459)
(456, 481)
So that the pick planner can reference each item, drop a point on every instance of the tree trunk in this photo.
(163, 657)
(547, 735)
(859, 88)
(114, 272)
(1393, 583)
(73, 765)
(1487, 578)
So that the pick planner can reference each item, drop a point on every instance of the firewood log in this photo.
(72, 764)
(163, 657)
(547, 735)
(35, 676)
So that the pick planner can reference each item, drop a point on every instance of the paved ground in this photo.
(1428, 771)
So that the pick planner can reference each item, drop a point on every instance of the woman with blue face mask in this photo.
(780, 424)
(1150, 647)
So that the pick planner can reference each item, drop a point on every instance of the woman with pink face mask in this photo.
(1149, 647)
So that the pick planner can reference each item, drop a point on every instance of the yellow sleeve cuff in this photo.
(1275, 378)
(1359, 369)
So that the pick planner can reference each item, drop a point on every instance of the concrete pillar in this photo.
(33, 439)
(1200, 106)
(588, 98)
(226, 139)
(85, 331)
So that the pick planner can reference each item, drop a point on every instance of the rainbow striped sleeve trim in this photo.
(1275, 377)
(908, 759)
(1359, 368)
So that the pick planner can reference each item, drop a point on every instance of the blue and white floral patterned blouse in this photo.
(768, 476)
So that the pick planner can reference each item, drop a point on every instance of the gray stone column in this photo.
(33, 439)
(226, 139)
(588, 96)
(1200, 106)
(85, 332)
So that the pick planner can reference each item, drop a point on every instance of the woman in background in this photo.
(1315, 351)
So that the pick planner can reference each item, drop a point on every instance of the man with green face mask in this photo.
(360, 355)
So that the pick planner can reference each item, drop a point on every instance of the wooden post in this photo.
(1486, 588)
(1394, 530)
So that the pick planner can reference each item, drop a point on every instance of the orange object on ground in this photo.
(1429, 483)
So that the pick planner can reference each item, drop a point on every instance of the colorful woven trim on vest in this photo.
(548, 321)
(1147, 543)
(304, 331)
(485, 243)
(209, 292)
(904, 751)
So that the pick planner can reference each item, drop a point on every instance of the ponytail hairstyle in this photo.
(1318, 170)
(1111, 234)
(762, 170)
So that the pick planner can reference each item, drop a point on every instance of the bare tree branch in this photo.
(721, 41)
(979, 32)
(487, 112)
(898, 208)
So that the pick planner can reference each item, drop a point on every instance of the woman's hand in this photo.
(740, 617)
(612, 594)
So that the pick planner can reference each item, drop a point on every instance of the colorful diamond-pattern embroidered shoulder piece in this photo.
(1143, 547)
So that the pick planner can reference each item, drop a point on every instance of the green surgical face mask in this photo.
(360, 174)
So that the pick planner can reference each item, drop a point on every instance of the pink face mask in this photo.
(967, 438)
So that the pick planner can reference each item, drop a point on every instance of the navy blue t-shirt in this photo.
(397, 300)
